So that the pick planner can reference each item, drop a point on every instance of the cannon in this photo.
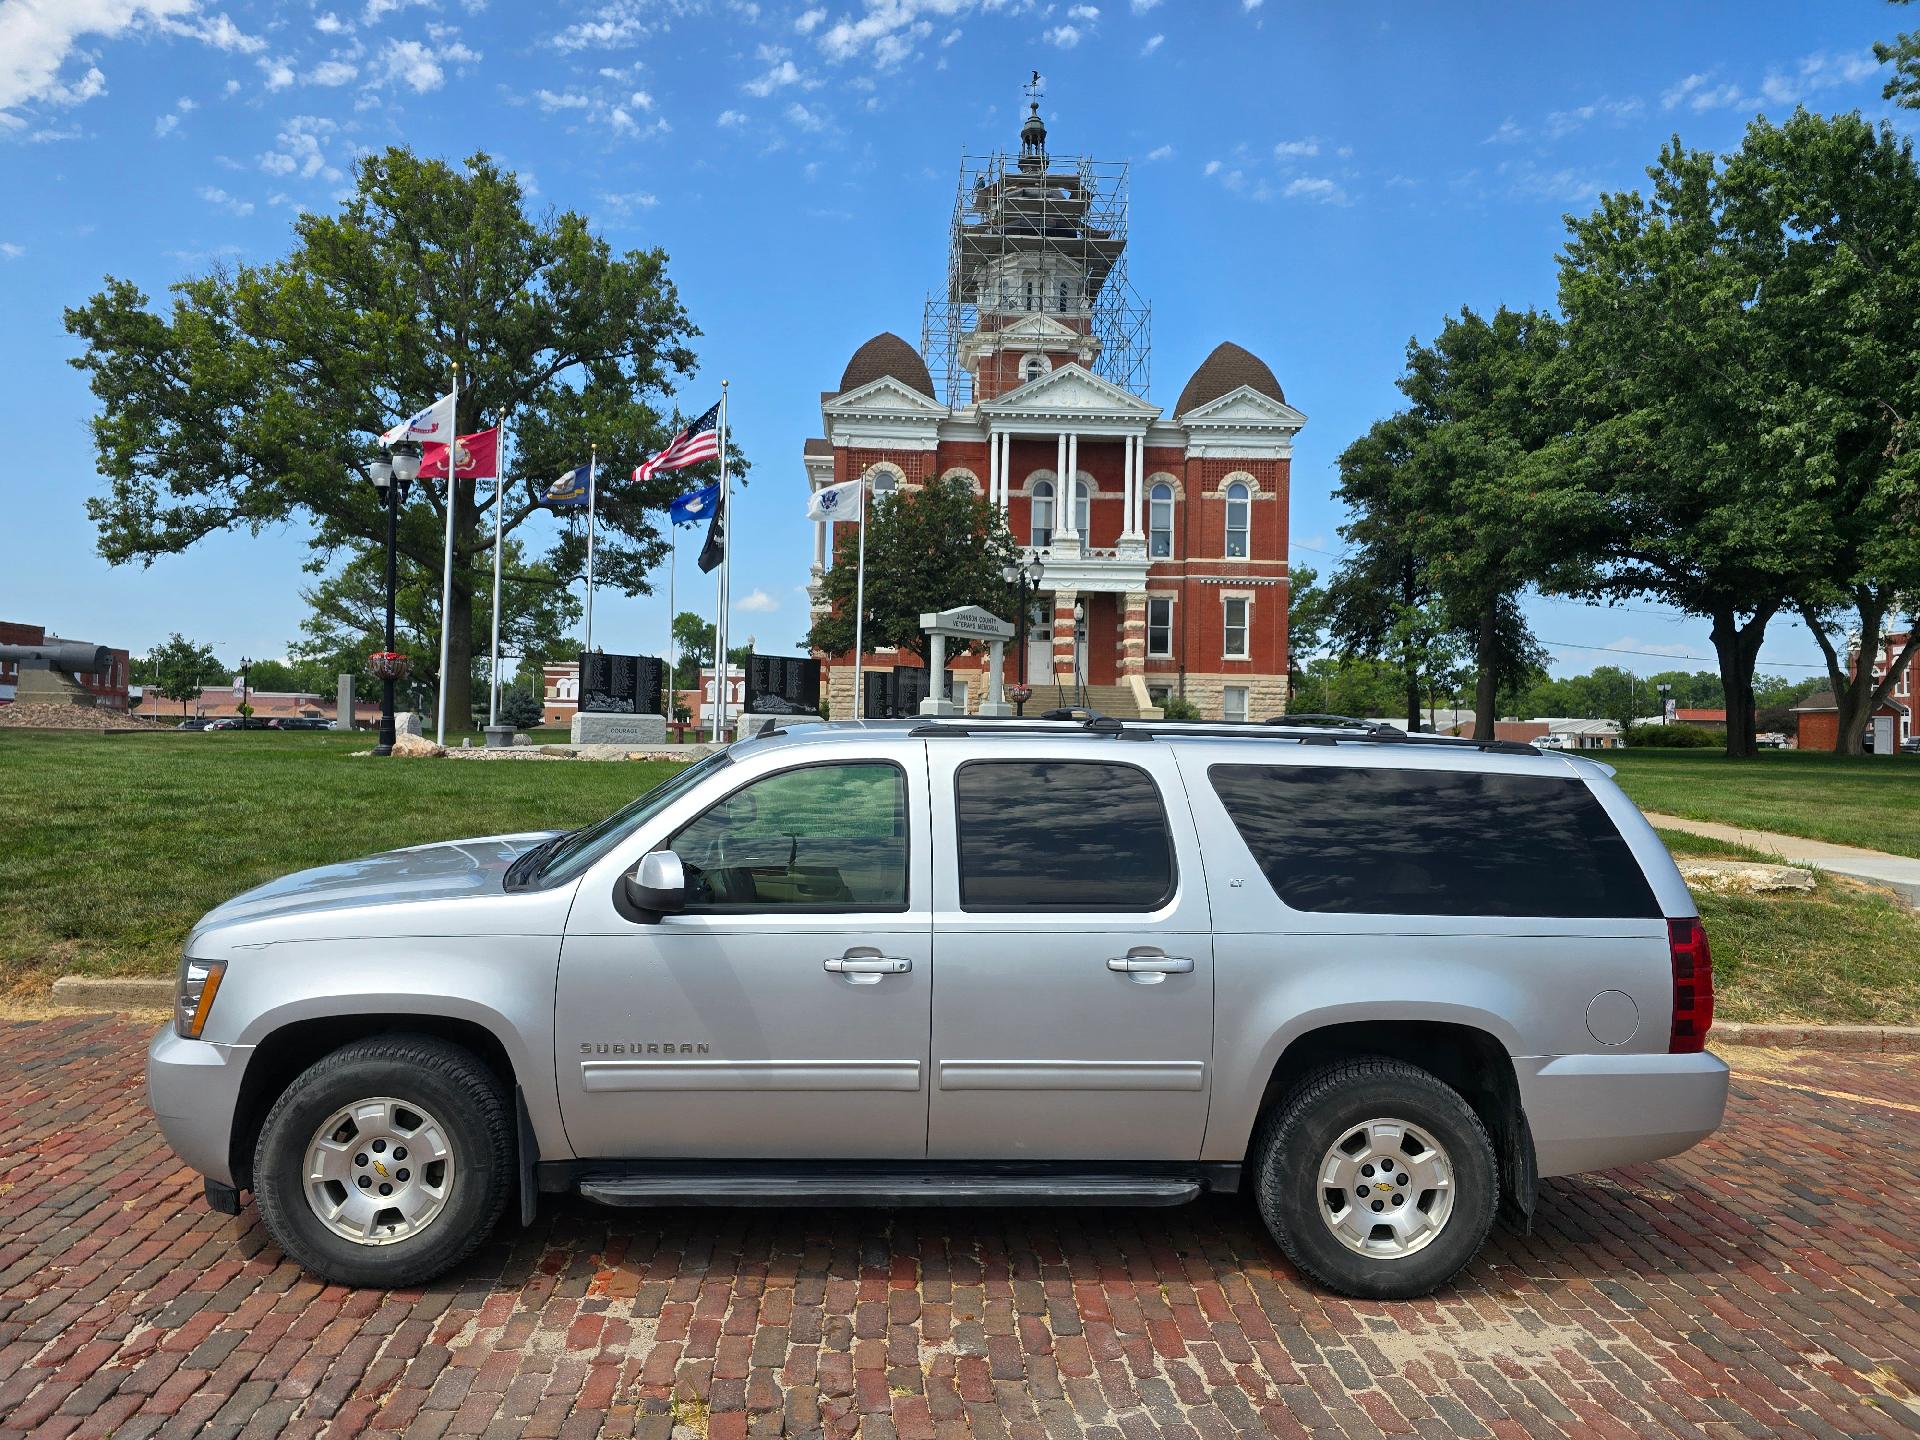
(47, 670)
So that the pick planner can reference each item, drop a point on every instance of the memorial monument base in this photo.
(935, 705)
(407, 722)
(597, 728)
(500, 737)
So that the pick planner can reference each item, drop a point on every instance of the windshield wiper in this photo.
(526, 869)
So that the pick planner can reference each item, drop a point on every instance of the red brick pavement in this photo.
(1763, 1284)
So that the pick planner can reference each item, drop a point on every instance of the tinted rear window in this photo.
(1061, 835)
(1351, 840)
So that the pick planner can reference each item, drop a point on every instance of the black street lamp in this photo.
(391, 479)
(1027, 574)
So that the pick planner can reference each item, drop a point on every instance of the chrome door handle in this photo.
(866, 967)
(1150, 963)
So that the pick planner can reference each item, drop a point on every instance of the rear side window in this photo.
(1357, 841)
(1061, 835)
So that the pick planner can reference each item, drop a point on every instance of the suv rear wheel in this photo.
(1377, 1179)
(386, 1162)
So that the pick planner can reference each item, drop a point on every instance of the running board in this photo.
(733, 1187)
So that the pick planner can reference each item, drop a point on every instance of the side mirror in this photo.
(657, 885)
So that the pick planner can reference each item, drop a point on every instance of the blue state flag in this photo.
(569, 492)
(692, 508)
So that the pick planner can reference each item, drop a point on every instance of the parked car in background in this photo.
(195, 723)
(1383, 982)
(1910, 745)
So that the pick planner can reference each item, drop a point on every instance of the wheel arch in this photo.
(285, 1051)
(1470, 1060)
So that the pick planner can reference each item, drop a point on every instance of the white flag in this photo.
(835, 502)
(433, 423)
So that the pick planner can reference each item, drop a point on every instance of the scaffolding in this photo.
(1035, 235)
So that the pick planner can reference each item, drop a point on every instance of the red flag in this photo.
(479, 457)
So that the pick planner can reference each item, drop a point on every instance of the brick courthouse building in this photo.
(1165, 560)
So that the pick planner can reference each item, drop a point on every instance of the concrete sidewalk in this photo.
(1898, 873)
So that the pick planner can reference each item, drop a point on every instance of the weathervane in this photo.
(1034, 91)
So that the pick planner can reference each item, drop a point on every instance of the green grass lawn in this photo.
(114, 847)
(1850, 800)
(1848, 954)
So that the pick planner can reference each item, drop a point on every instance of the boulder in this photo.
(1746, 877)
(416, 747)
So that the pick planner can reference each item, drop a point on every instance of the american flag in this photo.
(699, 441)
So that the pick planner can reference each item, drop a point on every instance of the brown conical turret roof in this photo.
(887, 354)
(1228, 368)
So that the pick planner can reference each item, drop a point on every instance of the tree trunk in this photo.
(1486, 684)
(1737, 647)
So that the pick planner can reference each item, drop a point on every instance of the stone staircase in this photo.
(1114, 700)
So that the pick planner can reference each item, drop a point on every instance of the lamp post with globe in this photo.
(391, 478)
(1027, 574)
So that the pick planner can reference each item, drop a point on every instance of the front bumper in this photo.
(1593, 1112)
(194, 1088)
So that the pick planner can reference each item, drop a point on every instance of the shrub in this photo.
(521, 710)
(1674, 737)
(1178, 707)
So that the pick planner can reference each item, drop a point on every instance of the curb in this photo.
(107, 994)
(1854, 1039)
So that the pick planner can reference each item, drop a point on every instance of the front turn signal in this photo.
(193, 1000)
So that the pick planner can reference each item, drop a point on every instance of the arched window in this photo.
(1034, 368)
(1239, 511)
(1082, 506)
(1040, 531)
(1160, 521)
(882, 484)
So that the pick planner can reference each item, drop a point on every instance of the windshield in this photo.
(574, 853)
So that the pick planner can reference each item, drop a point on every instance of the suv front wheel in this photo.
(1377, 1179)
(385, 1162)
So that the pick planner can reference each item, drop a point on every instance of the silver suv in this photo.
(1383, 982)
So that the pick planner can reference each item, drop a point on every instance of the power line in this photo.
(1663, 655)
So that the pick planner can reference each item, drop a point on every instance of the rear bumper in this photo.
(194, 1088)
(1593, 1112)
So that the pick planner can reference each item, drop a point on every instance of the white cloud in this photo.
(1251, 5)
(804, 118)
(11, 250)
(1316, 188)
(1160, 152)
(378, 10)
(1296, 149)
(1141, 7)
(1154, 42)
(302, 149)
(420, 67)
(332, 24)
(232, 204)
(278, 73)
(890, 30)
(1088, 13)
(757, 603)
(809, 20)
(1507, 132)
(221, 33)
(621, 22)
(1615, 112)
(166, 125)
(783, 74)
(1213, 167)
(1065, 36)
(332, 72)
(36, 39)
(627, 203)
(623, 123)
(561, 100)
(640, 100)
(731, 118)
(1680, 90)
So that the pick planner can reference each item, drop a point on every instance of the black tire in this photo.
(1302, 1129)
(448, 1083)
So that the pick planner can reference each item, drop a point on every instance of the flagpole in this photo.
(726, 565)
(593, 462)
(673, 659)
(860, 608)
(446, 569)
(499, 491)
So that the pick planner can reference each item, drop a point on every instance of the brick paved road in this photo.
(1763, 1284)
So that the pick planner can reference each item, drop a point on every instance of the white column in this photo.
(1071, 489)
(1139, 484)
(819, 546)
(1126, 486)
(1059, 468)
(993, 468)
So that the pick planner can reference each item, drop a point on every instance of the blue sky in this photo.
(1317, 182)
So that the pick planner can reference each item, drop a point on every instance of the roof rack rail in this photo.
(1314, 720)
(1348, 731)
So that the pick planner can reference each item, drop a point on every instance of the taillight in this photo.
(1692, 987)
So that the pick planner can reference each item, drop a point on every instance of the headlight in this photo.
(199, 983)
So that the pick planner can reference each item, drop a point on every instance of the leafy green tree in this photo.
(180, 668)
(1829, 210)
(1385, 602)
(1309, 612)
(929, 549)
(1670, 482)
(1903, 86)
(693, 642)
(254, 398)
